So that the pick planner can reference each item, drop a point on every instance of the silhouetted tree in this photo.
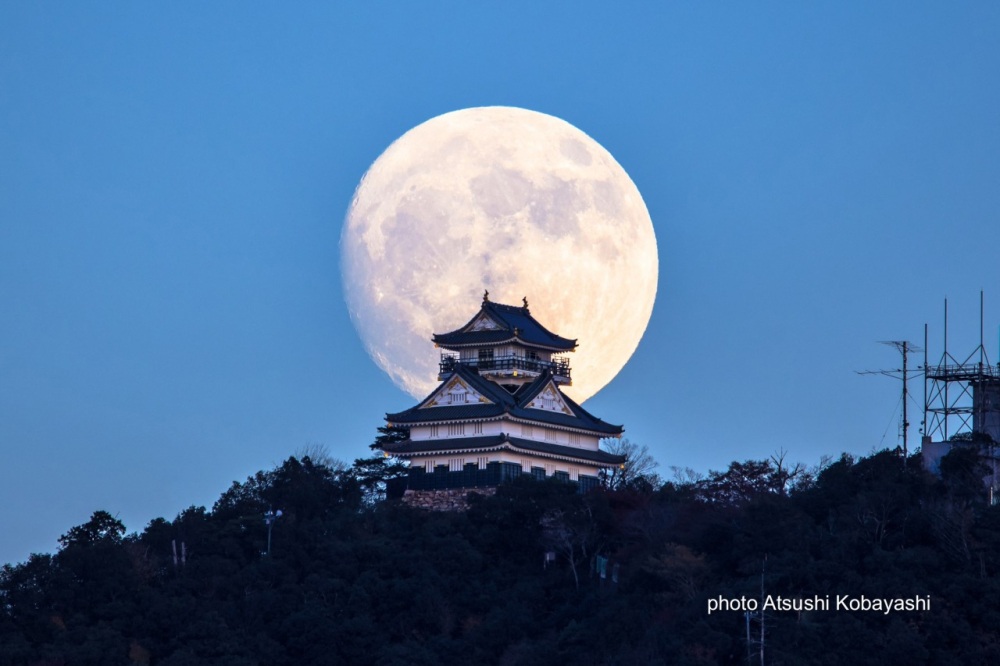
(374, 475)
(102, 528)
(353, 579)
(389, 434)
(638, 470)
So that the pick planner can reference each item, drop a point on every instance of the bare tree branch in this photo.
(639, 467)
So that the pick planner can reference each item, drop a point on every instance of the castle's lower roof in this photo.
(409, 448)
(500, 402)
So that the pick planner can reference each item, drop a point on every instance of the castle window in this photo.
(477, 428)
(574, 438)
(458, 396)
(455, 465)
(434, 432)
(456, 429)
(483, 461)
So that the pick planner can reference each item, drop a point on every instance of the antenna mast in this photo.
(904, 347)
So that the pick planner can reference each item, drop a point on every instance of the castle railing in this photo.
(557, 366)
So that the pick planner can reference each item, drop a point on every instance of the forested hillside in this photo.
(355, 578)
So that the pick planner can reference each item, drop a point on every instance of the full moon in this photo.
(514, 201)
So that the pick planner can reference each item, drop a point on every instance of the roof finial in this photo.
(486, 296)
(525, 301)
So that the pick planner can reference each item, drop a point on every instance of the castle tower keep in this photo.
(499, 411)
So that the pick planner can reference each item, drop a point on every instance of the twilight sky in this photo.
(173, 181)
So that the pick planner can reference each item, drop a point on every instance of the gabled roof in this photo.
(501, 402)
(527, 394)
(454, 391)
(411, 447)
(496, 324)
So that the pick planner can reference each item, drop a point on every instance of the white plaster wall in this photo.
(424, 432)
(513, 428)
(493, 428)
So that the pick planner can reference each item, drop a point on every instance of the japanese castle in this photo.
(499, 411)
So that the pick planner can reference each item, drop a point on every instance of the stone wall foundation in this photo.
(452, 499)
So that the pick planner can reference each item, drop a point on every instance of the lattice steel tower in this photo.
(961, 398)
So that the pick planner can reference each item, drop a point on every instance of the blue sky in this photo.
(173, 179)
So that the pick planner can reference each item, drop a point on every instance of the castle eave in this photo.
(410, 448)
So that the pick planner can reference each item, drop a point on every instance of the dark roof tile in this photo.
(411, 447)
(515, 322)
(505, 402)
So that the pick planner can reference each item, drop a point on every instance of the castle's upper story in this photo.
(507, 345)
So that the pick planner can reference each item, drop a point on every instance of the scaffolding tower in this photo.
(961, 398)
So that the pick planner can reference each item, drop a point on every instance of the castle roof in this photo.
(496, 324)
(490, 400)
(500, 442)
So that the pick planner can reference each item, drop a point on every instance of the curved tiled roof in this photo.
(411, 447)
(515, 324)
(503, 402)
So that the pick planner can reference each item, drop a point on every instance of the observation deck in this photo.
(970, 372)
(508, 366)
